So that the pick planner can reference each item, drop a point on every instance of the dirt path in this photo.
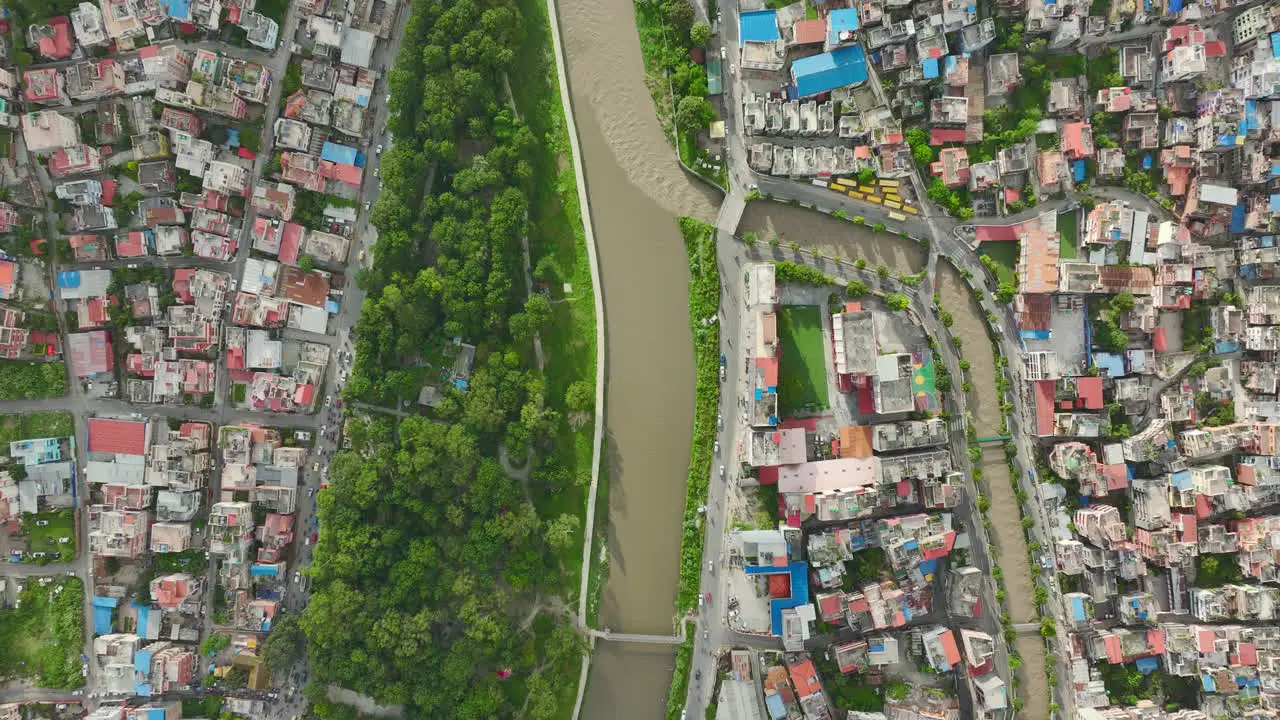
(970, 327)
(607, 75)
(830, 236)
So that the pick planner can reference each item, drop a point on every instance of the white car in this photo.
(367, 205)
(64, 540)
(328, 400)
(388, 99)
(733, 69)
(297, 575)
(724, 55)
(378, 151)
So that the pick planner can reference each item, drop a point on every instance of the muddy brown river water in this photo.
(636, 191)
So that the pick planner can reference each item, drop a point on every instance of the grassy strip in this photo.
(680, 681)
(704, 301)
(558, 250)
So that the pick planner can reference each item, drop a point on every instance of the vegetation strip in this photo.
(704, 302)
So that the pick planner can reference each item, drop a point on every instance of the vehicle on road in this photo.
(733, 69)
(367, 205)
(721, 472)
(377, 172)
(717, 448)
(378, 150)
(328, 400)
(711, 566)
(724, 55)
(361, 257)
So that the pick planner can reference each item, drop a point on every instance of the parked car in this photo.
(64, 540)
(378, 150)
(41, 523)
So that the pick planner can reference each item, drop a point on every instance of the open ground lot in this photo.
(44, 635)
(1005, 255)
(33, 426)
(44, 538)
(1069, 234)
(802, 378)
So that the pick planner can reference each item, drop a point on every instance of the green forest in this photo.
(438, 575)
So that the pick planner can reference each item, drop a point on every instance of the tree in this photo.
(922, 153)
(581, 396)
(214, 644)
(896, 301)
(699, 34)
(679, 13)
(877, 227)
(856, 289)
(1121, 303)
(560, 532)
(1005, 292)
(866, 175)
(306, 263)
(693, 113)
(882, 271)
(538, 310)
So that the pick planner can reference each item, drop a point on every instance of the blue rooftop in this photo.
(1238, 216)
(69, 279)
(842, 20)
(777, 708)
(1181, 480)
(930, 68)
(1147, 665)
(1275, 44)
(260, 570)
(799, 572)
(178, 9)
(1175, 7)
(759, 26)
(1078, 171)
(1111, 363)
(341, 154)
(828, 71)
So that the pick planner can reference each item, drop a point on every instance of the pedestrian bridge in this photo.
(647, 639)
(608, 634)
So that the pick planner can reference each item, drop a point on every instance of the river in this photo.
(636, 191)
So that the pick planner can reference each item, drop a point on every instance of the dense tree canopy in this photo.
(430, 555)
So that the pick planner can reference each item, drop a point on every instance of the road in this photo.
(82, 407)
